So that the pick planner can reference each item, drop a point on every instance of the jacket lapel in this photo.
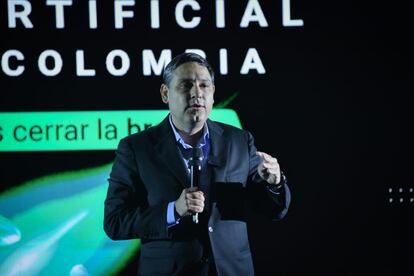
(168, 152)
(217, 155)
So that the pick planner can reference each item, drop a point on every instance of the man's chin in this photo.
(197, 117)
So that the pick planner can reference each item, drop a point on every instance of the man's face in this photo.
(190, 96)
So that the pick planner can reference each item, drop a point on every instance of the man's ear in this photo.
(214, 90)
(164, 93)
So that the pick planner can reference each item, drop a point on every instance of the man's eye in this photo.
(187, 85)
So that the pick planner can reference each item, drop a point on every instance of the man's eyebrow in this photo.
(191, 80)
(185, 80)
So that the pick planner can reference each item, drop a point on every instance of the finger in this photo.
(261, 153)
(265, 155)
(273, 177)
(196, 202)
(199, 195)
(278, 178)
(262, 168)
(270, 170)
(270, 159)
(195, 195)
(270, 162)
(191, 198)
(275, 171)
(270, 165)
(191, 189)
(195, 208)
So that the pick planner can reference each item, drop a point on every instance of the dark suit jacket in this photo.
(149, 172)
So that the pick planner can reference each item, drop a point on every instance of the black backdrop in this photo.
(334, 106)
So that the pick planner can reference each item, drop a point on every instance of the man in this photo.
(149, 195)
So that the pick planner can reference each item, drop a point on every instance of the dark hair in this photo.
(181, 59)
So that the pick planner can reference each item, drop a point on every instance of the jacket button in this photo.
(210, 229)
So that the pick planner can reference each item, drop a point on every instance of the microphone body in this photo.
(195, 171)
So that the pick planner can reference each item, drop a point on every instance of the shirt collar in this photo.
(201, 143)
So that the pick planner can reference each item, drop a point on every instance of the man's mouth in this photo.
(196, 106)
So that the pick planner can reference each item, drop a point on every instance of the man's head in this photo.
(181, 59)
(188, 89)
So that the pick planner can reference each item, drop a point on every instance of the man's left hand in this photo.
(269, 169)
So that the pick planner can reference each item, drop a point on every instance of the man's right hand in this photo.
(190, 201)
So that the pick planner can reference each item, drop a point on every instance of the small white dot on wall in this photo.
(411, 190)
(400, 190)
(411, 199)
(391, 199)
(390, 190)
(401, 199)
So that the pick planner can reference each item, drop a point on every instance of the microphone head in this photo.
(196, 153)
(196, 157)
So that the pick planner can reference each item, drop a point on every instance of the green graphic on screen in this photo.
(54, 225)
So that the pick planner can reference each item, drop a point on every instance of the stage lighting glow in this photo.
(60, 218)
(9, 233)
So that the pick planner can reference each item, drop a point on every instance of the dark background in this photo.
(334, 107)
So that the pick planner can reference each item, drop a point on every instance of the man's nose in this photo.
(196, 92)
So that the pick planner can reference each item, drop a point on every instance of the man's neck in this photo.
(190, 134)
(191, 139)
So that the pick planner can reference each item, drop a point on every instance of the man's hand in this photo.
(190, 201)
(269, 169)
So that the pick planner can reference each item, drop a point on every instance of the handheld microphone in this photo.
(195, 169)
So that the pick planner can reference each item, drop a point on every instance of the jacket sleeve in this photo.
(263, 199)
(127, 214)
